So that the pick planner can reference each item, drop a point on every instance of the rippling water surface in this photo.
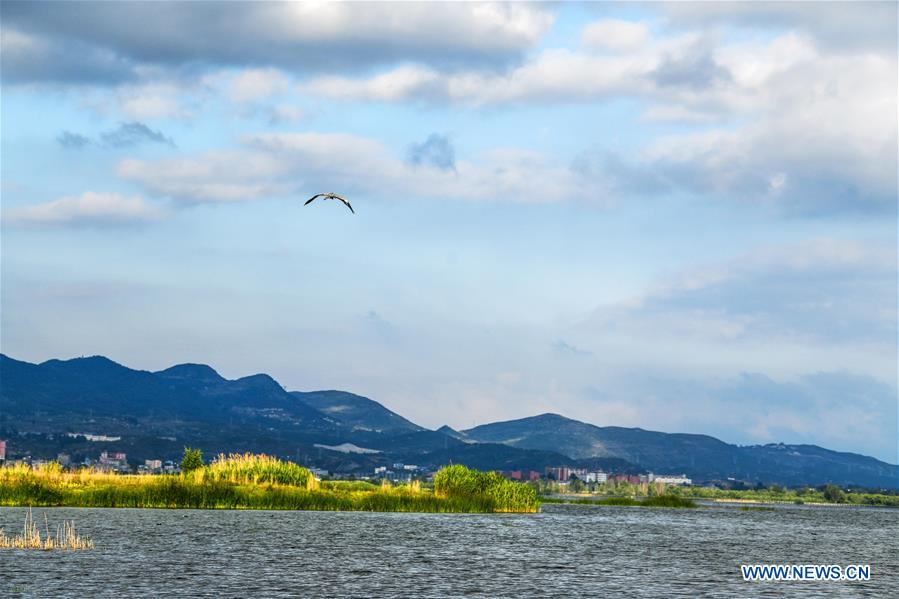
(564, 551)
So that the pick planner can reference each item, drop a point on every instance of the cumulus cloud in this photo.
(88, 209)
(274, 164)
(29, 57)
(616, 35)
(805, 126)
(113, 41)
(436, 151)
(555, 74)
(854, 26)
(821, 135)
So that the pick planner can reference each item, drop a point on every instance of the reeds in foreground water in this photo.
(66, 538)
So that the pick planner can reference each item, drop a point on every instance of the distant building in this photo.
(95, 438)
(563, 473)
(521, 474)
(116, 462)
(670, 479)
(64, 459)
(597, 476)
(560, 473)
(2, 451)
(319, 472)
(154, 466)
(626, 478)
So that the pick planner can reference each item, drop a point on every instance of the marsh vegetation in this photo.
(260, 482)
(65, 537)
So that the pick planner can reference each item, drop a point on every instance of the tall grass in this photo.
(66, 538)
(487, 488)
(254, 482)
(255, 468)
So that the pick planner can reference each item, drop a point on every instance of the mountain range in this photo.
(155, 414)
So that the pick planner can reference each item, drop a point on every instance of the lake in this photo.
(563, 551)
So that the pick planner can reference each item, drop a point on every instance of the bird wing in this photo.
(345, 201)
(312, 198)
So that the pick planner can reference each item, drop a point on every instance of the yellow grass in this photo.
(65, 538)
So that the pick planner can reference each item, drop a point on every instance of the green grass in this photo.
(774, 494)
(485, 488)
(257, 482)
(780, 495)
(668, 501)
(656, 501)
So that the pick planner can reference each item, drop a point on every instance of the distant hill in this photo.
(156, 414)
(699, 456)
(356, 412)
(451, 432)
(97, 387)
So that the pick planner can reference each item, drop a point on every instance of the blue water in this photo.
(565, 551)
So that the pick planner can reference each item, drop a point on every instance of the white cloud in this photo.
(395, 85)
(823, 127)
(89, 208)
(220, 176)
(553, 75)
(253, 85)
(299, 37)
(274, 164)
(154, 97)
(616, 35)
(852, 26)
(810, 128)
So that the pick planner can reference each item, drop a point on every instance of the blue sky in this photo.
(676, 216)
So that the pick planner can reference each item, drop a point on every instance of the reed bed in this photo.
(255, 468)
(487, 488)
(65, 538)
(256, 482)
(655, 501)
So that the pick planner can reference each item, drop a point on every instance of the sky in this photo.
(677, 216)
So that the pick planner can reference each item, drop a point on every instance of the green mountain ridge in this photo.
(157, 413)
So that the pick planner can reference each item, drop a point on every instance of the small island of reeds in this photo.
(654, 501)
(65, 539)
(262, 482)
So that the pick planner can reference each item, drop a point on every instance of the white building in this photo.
(596, 477)
(670, 479)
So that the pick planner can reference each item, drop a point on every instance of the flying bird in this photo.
(330, 196)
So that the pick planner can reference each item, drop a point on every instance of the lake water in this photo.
(565, 551)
